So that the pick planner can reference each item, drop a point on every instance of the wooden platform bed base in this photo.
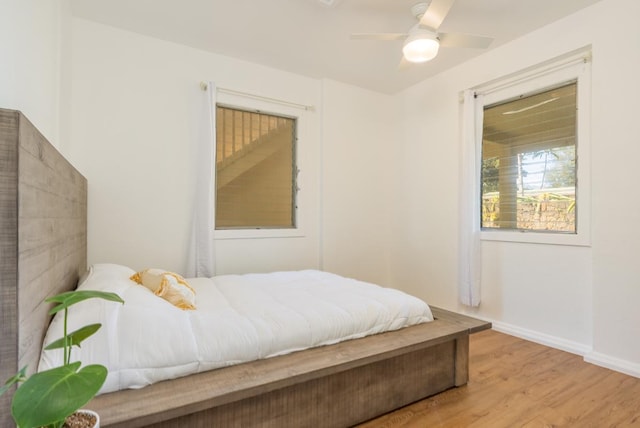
(331, 386)
(43, 248)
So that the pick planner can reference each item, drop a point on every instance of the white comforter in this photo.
(239, 318)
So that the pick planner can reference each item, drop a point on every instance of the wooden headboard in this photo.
(43, 241)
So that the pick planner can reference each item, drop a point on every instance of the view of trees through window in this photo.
(544, 169)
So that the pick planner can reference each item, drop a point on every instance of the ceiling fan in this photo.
(423, 40)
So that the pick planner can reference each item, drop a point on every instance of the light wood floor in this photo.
(516, 383)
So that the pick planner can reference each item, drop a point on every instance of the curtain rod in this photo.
(204, 86)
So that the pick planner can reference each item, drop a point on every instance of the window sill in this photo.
(528, 237)
(258, 233)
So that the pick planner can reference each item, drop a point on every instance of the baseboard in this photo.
(622, 366)
(543, 339)
(602, 360)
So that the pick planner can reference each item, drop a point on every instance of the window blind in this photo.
(255, 169)
(529, 162)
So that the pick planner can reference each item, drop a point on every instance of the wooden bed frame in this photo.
(43, 252)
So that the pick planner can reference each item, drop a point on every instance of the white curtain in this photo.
(201, 257)
(469, 270)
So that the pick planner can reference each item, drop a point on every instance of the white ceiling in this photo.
(310, 38)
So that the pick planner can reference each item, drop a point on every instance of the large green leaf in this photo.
(52, 395)
(64, 300)
(75, 338)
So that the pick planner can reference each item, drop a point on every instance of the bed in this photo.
(43, 252)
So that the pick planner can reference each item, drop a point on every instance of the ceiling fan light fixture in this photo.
(420, 47)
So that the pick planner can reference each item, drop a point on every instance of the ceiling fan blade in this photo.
(404, 64)
(455, 40)
(379, 36)
(435, 14)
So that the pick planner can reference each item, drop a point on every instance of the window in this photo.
(529, 162)
(255, 170)
(532, 146)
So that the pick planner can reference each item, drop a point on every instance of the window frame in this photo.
(264, 106)
(575, 67)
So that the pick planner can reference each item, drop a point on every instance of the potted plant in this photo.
(47, 398)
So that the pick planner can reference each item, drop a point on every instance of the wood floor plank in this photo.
(516, 383)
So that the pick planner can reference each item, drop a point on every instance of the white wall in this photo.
(576, 297)
(136, 111)
(31, 45)
(616, 130)
(359, 142)
(136, 107)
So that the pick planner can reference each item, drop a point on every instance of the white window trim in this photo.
(266, 105)
(574, 66)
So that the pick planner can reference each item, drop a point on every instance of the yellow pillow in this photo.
(168, 285)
